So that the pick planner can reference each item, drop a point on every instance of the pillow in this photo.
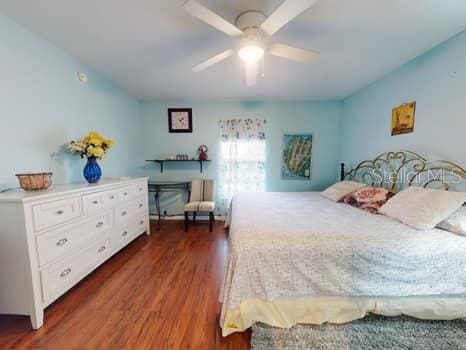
(369, 199)
(341, 189)
(456, 222)
(423, 208)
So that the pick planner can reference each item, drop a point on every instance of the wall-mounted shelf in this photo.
(161, 161)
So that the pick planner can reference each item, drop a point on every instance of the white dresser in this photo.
(50, 240)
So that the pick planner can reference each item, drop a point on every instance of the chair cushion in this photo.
(207, 206)
(202, 190)
(196, 190)
(192, 206)
(208, 191)
(199, 206)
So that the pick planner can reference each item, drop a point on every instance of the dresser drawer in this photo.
(140, 188)
(127, 210)
(92, 203)
(110, 198)
(54, 244)
(59, 277)
(95, 202)
(124, 193)
(129, 231)
(57, 212)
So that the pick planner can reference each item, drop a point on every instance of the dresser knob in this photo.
(99, 224)
(95, 202)
(65, 272)
(125, 193)
(62, 241)
(101, 249)
(141, 222)
(60, 212)
(140, 189)
(112, 197)
(123, 213)
(140, 205)
(124, 233)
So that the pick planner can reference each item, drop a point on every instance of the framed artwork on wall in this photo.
(403, 118)
(180, 120)
(296, 156)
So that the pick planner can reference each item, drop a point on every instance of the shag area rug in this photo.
(370, 333)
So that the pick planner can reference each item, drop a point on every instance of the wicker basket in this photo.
(35, 181)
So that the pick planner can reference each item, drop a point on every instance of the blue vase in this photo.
(92, 172)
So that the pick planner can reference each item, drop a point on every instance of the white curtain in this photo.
(242, 158)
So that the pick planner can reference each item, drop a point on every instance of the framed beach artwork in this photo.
(296, 156)
(403, 118)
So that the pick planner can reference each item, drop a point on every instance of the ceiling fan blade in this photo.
(288, 10)
(204, 14)
(293, 53)
(251, 74)
(213, 60)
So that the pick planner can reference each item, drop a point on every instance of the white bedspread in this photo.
(289, 246)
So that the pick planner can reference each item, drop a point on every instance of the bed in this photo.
(301, 258)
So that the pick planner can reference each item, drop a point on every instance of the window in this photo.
(242, 162)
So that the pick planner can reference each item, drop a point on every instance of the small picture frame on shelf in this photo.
(180, 120)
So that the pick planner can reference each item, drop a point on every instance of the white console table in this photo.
(50, 240)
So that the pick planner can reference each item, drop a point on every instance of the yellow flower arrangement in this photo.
(91, 145)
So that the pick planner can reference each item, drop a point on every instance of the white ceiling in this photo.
(149, 46)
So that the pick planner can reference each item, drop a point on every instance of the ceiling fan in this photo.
(252, 31)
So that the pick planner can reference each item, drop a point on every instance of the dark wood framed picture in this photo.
(180, 120)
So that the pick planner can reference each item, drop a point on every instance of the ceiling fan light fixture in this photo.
(251, 54)
(252, 30)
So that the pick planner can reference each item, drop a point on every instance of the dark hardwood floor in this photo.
(160, 292)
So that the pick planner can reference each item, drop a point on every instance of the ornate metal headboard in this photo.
(398, 170)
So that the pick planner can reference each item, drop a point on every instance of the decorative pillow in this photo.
(456, 222)
(423, 208)
(341, 189)
(369, 199)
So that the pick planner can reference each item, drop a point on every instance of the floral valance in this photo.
(242, 129)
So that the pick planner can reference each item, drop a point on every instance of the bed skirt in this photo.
(317, 310)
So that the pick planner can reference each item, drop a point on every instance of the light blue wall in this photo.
(437, 82)
(43, 106)
(322, 119)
